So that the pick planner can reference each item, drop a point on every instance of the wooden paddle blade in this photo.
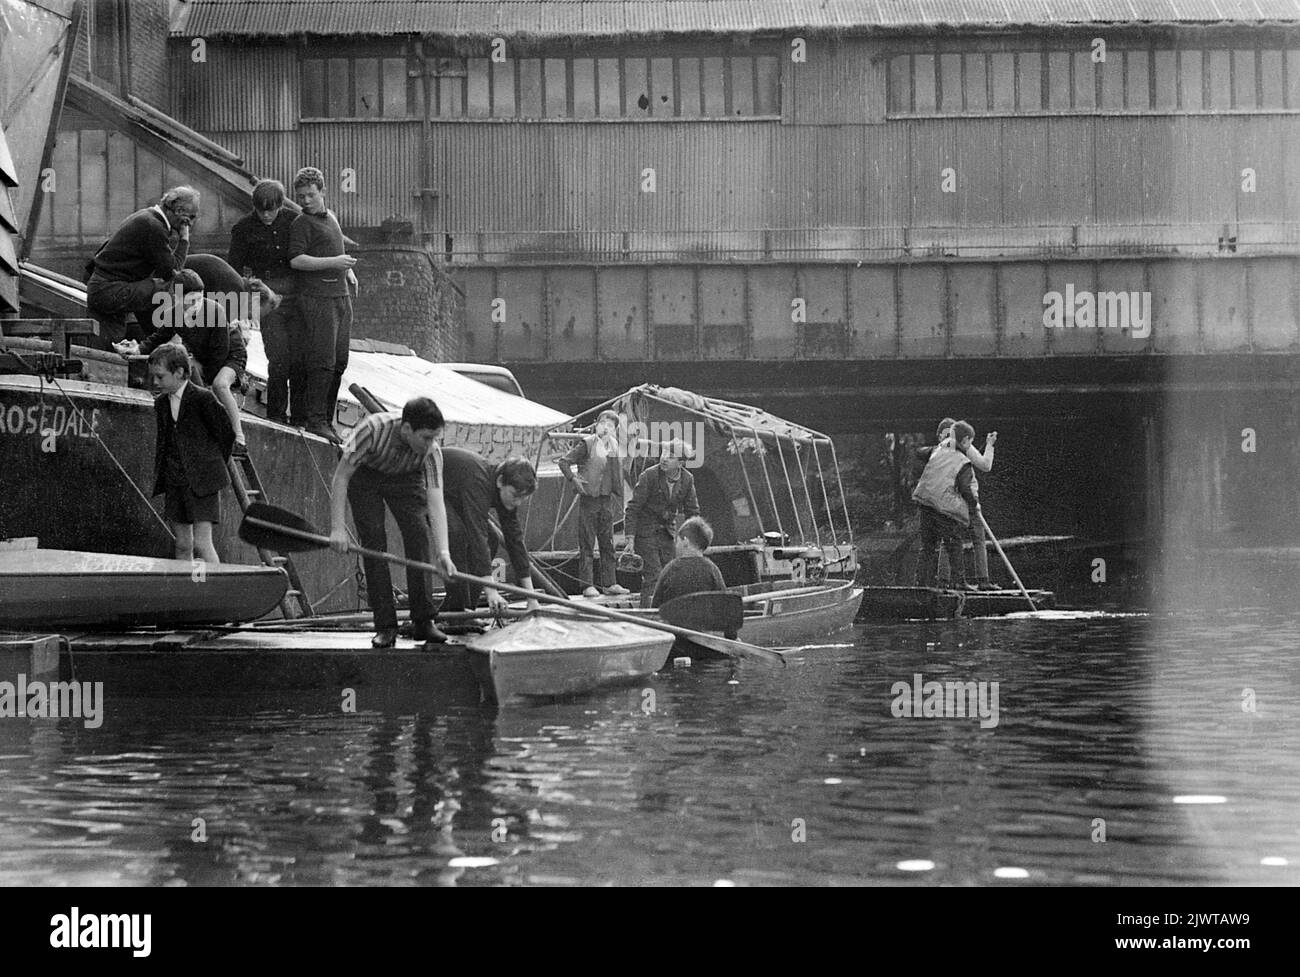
(712, 610)
(735, 649)
(273, 528)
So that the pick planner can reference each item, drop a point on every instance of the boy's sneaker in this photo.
(617, 591)
(240, 450)
(590, 592)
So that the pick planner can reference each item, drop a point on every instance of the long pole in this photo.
(1014, 576)
(725, 646)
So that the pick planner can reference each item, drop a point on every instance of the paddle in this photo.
(271, 527)
(998, 546)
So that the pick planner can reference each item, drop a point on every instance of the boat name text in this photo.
(47, 419)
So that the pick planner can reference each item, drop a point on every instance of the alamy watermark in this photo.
(176, 309)
(1077, 309)
(945, 700)
(53, 700)
(652, 439)
(77, 931)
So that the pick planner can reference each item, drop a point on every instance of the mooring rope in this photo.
(95, 434)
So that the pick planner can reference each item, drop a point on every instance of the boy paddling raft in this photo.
(948, 497)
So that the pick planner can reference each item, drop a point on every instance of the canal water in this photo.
(1160, 747)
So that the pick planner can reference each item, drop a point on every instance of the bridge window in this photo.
(361, 88)
(1130, 80)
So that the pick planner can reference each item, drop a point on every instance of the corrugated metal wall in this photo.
(385, 158)
(832, 179)
(248, 87)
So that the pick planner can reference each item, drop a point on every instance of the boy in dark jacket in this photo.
(662, 493)
(193, 444)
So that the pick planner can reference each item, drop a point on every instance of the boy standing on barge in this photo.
(316, 253)
(662, 492)
(194, 441)
(598, 481)
(395, 460)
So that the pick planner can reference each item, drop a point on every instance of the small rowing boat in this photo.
(68, 588)
(771, 614)
(548, 654)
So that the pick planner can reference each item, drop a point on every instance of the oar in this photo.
(998, 546)
(279, 529)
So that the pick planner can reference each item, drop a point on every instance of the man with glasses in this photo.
(137, 262)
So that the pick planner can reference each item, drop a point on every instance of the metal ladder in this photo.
(248, 489)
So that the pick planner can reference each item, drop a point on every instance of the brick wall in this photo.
(407, 298)
(147, 28)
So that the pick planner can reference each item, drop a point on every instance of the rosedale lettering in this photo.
(46, 419)
(106, 931)
(1098, 310)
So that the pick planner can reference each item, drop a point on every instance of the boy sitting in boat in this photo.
(691, 571)
(194, 442)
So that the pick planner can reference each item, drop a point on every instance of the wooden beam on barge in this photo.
(207, 663)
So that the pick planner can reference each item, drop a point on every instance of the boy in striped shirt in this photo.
(395, 460)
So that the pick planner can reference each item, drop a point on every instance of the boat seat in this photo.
(709, 610)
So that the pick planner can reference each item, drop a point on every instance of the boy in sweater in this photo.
(324, 298)
(595, 469)
(691, 571)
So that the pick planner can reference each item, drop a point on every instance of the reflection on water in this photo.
(738, 773)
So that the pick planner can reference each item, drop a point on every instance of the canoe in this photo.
(928, 603)
(68, 588)
(549, 654)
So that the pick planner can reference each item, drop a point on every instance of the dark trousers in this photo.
(981, 549)
(108, 302)
(464, 596)
(656, 550)
(936, 529)
(405, 496)
(327, 333)
(596, 527)
(283, 340)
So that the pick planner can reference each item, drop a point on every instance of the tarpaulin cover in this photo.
(493, 423)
